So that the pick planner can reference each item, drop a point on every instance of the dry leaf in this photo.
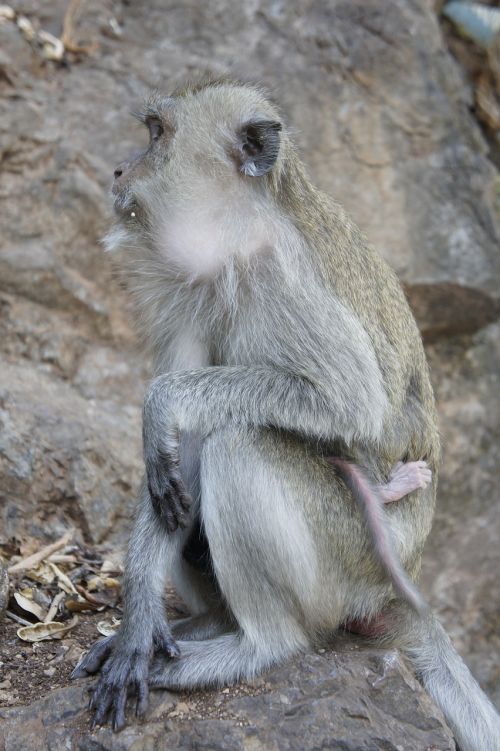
(41, 574)
(29, 606)
(43, 631)
(63, 580)
(111, 567)
(108, 629)
(27, 592)
(79, 606)
(36, 594)
(7, 13)
(94, 584)
(98, 583)
(54, 607)
(112, 583)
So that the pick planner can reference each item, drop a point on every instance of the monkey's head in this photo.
(212, 150)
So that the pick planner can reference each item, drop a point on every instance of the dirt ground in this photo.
(29, 671)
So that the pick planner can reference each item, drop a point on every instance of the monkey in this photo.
(403, 479)
(279, 339)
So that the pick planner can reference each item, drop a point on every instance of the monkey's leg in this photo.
(405, 478)
(203, 626)
(264, 561)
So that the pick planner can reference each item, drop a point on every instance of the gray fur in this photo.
(278, 337)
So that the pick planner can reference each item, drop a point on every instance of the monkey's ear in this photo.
(258, 146)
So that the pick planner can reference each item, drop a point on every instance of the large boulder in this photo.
(351, 699)
(462, 559)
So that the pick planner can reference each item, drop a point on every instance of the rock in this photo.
(463, 556)
(353, 698)
(4, 592)
(447, 310)
(64, 459)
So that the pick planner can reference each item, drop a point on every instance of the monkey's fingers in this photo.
(181, 500)
(169, 497)
(168, 510)
(163, 510)
(92, 661)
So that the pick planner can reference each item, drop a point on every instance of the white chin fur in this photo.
(115, 239)
(199, 242)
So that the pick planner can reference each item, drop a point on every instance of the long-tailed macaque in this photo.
(279, 339)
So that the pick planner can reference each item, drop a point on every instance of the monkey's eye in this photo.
(155, 129)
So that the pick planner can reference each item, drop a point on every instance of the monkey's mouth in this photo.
(125, 205)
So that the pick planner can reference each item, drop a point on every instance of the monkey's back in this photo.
(367, 285)
(357, 275)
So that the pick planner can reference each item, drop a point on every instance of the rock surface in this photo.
(350, 700)
(382, 116)
(461, 566)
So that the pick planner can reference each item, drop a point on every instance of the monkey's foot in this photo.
(124, 671)
(405, 478)
(94, 658)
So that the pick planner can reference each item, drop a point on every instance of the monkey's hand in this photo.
(169, 497)
(124, 670)
(405, 478)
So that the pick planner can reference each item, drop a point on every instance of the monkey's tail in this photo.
(468, 711)
(372, 507)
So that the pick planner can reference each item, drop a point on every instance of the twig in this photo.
(17, 618)
(70, 19)
(54, 607)
(87, 596)
(61, 558)
(33, 560)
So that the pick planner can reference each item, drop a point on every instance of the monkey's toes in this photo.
(165, 642)
(95, 657)
(122, 673)
(142, 699)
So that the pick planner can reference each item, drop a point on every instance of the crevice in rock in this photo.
(446, 309)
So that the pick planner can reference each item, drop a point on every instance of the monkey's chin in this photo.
(116, 239)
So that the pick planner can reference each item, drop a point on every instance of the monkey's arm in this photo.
(204, 400)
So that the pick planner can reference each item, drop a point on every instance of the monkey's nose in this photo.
(121, 169)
